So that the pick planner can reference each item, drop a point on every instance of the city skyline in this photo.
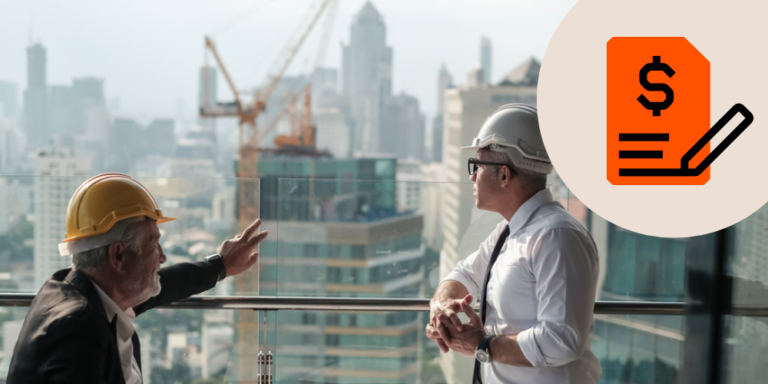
(129, 56)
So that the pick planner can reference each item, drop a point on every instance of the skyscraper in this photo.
(341, 238)
(52, 196)
(36, 97)
(60, 110)
(402, 127)
(207, 94)
(367, 76)
(486, 58)
(444, 81)
(89, 108)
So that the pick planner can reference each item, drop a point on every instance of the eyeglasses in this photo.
(472, 165)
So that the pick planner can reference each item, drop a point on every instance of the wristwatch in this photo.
(482, 353)
(219, 262)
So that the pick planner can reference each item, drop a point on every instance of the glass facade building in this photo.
(341, 237)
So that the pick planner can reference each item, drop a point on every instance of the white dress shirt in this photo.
(125, 330)
(542, 288)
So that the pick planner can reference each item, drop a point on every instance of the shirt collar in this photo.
(527, 209)
(125, 327)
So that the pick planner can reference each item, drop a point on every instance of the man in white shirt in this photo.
(535, 276)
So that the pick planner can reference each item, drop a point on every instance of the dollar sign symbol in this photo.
(656, 107)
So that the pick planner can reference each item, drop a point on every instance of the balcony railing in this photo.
(279, 303)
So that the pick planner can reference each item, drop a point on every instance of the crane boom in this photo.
(212, 48)
(289, 52)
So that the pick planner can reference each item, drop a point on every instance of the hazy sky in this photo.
(148, 52)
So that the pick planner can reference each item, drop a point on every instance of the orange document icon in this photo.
(658, 111)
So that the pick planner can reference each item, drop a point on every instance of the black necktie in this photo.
(476, 376)
(136, 349)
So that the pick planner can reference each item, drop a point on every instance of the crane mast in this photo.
(249, 140)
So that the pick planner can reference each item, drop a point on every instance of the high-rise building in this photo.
(402, 128)
(444, 81)
(367, 77)
(51, 199)
(207, 93)
(36, 97)
(11, 145)
(409, 177)
(37, 73)
(159, 138)
(324, 79)
(9, 102)
(341, 237)
(486, 58)
(60, 111)
(525, 74)
(124, 136)
(130, 141)
(332, 131)
(89, 108)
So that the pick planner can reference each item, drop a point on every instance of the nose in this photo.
(473, 177)
(162, 255)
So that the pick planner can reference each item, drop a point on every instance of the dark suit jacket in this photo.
(67, 338)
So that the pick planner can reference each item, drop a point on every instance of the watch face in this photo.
(482, 356)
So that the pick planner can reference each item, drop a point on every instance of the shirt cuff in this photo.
(527, 342)
(465, 281)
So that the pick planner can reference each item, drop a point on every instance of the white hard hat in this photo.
(514, 129)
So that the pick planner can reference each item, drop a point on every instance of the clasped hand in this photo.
(446, 329)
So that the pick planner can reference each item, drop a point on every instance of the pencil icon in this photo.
(685, 169)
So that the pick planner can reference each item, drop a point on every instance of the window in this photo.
(331, 340)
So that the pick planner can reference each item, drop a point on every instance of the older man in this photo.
(79, 328)
(535, 276)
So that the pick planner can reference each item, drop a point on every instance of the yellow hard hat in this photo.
(104, 200)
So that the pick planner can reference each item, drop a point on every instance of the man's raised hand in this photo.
(238, 254)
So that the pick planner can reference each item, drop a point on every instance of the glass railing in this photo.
(745, 338)
(340, 239)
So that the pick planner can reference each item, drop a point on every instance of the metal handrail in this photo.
(290, 303)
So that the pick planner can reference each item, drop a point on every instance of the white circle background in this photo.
(572, 110)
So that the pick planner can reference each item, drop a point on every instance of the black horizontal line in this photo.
(641, 154)
(643, 136)
(629, 172)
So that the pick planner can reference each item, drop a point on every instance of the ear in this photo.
(116, 255)
(506, 176)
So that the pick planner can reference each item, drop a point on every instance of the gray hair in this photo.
(90, 260)
(531, 181)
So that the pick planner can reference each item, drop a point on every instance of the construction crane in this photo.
(302, 128)
(249, 141)
(249, 137)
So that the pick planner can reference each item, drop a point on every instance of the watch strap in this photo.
(485, 343)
